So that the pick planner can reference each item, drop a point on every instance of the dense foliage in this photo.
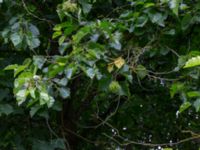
(99, 74)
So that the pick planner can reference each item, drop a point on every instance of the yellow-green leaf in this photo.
(110, 68)
(56, 34)
(193, 62)
(119, 62)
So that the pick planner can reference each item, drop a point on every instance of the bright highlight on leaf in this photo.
(119, 62)
(114, 87)
(167, 149)
(184, 106)
(110, 68)
(174, 5)
(193, 62)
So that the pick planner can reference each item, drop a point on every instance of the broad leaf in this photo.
(6, 109)
(184, 106)
(193, 62)
(174, 5)
(64, 92)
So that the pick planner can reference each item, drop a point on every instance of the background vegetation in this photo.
(99, 74)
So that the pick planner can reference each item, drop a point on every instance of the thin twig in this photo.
(173, 51)
(107, 118)
(161, 78)
(162, 73)
(79, 136)
(33, 15)
(112, 114)
(140, 84)
(50, 129)
(150, 144)
(116, 9)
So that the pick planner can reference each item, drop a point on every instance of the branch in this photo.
(106, 119)
(160, 78)
(79, 136)
(150, 144)
(33, 15)
(173, 51)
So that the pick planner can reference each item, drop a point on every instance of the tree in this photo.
(99, 74)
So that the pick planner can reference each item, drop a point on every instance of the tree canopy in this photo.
(100, 74)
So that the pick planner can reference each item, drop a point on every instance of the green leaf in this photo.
(22, 81)
(184, 106)
(32, 92)
(141, 21)
(61, 82)
(61, 40)
(90, 72)
(64, 92)
(63, 47)
(33, 42)
(69, 6)
(34, 110)
(115, 87)
(57, 27)
(21, 96)
(174, 5)
(3, 94)
(16, 39)
(6, 109)
(192, 62)
(192, 94)
(69, 72)
(69, 30)
(158, 18)
(124, 90)
(186, 21)
(55, 70)
(197, 105)
(147, 5)
(19, 69)
(85, 6)
(80, 34)
(45, 98)
(34, 30)
(167, 149)
(57, 106)
(115, 41)
(56, 34)
(176, 88)
(141, 71)
(181, 62)
(170, 32)
(104, 83)
(39, 61)
(164, 1)
(11, 67)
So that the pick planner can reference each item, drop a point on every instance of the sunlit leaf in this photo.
(193, 62)
(184, 106)
(110, 67)
(119, 62)
(174, 5)
(197, 105)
